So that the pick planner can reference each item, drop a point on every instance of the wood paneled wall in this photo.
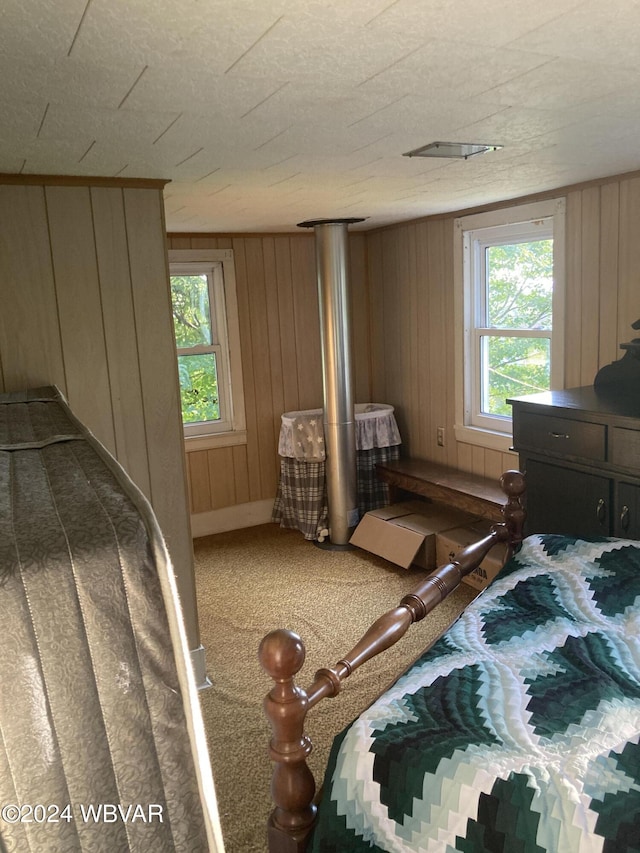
(281, 360)
(85, 306)
(411, 291)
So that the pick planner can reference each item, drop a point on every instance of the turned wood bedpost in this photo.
(513, 484)
(282, 654)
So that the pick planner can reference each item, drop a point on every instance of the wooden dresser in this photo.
(580, 450)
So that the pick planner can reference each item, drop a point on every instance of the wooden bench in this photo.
(469, 492)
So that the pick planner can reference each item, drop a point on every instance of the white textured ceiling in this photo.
(263, 113)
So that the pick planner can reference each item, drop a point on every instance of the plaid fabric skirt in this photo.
(301, 501)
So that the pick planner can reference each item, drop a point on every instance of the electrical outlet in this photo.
(440, 436)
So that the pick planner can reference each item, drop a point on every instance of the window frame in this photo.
(473, 234)
(218, 265)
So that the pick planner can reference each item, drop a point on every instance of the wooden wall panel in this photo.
(240, 476)
(376, 317)
(464, 459)
(449, 312)
(222, 478)
(439, 339)
(80, 307)
(246, 346)
(157, 363)
(360, 342)
(199, 482)
(609, 251)
(85, 306)
(120, 332)
(286, 320)
(307, 323)
(494, 464)
(590, 286)
(413, 330)
(629, 258)
(156, 349)
(30, 338)
(262, 367)
(573, 312)
(392, 363)
(401, 300)
(416, 439)
(276, 383)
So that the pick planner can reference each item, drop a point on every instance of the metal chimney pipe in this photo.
(337, 374)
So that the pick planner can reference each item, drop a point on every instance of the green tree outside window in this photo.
(519, 295)
(198, 369)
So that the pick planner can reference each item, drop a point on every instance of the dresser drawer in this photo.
(560, 435)
(625, 447)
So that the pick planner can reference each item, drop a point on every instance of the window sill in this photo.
(213, 440)
(483, 438)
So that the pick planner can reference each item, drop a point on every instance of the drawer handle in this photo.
(559, 434)
(624, 517)
(601, 511)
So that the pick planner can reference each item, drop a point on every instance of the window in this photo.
(511, 314)
(207, 339)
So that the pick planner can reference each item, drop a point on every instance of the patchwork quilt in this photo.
(517, 731)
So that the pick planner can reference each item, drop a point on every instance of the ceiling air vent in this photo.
(459, 150)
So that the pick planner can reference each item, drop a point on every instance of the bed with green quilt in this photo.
(517, 731)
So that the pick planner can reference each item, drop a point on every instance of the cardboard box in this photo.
(405, 533)
(450, 542)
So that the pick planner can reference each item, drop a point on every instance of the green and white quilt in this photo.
(517, 732)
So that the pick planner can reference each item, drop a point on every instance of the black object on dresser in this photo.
(580, 451)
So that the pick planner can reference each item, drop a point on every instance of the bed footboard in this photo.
(282, 654)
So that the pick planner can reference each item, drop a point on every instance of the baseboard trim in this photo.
(231, 518)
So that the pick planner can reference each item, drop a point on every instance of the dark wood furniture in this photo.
(469, 492)
(282, 654)
(580, 450)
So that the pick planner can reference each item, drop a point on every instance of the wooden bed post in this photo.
(513, 484)
(281, 655)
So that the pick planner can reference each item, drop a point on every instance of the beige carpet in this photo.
(252, 581)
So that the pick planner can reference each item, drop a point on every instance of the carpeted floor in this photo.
(252, 581)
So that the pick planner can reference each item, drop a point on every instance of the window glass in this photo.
(199, 388)
(191, 309)
(193, 320)
(512, 367)
(517, 296)
(520, 285)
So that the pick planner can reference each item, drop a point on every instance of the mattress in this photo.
(102, 745)
(517, 731)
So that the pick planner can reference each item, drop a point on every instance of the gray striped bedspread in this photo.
(97, 750)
